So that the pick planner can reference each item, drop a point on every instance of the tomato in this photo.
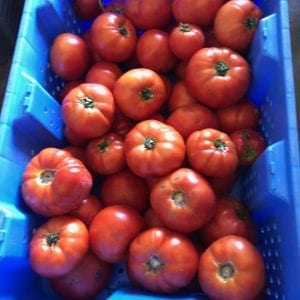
(210, 38)
(151, 218)
(88, 110)
(139, 93)
(212, 153)
(231, 218)
(106, 154)
(231, 268)
(77, 152)
(88, 210)
(223, 185)
(145, 14)
(115, 6)
(249, 144)
(197, 12)
(67, 88)
(73, 139)
(125, 188)
(238, 116)
(236, 22)
(180, 69)
(114, 37)
(189, 118)
(55, 183)
(94, 55)
(183, 200)
(154, 44)
(105, 73)
(162, 260)
(112, 231)
(58, 245)
(121, 124)
(85, 281)
(87, 9)
(66, 49)
(154, 149)
(217, 77)
(185, 39)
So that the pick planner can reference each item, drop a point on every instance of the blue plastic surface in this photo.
(30, 121)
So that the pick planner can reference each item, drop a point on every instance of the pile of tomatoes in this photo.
(158, 129)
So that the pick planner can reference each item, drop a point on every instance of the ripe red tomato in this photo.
(217, 77)
(162, 260)
(121, 124)
(125, 188)
(189, 118)
(223, 185)
(106, 154)
(180, 69)
(231, 218)
(58, 245)
(153, 51)
(77, 152)
(73, 139)
(185, 39)
(236, 22)
(231, 268)
(151, 219)
(67, 88)
(87, 9)
(55, 183)
(105, 73)
(249, 145)
(139, 93)
(114, 37)
(94, 55)
(145, 14)
(154, 149)
(238, 116)
(85, 281)
(112, 231)
(115, 6)
(183, 200)
(88, 110)
(66, 49)
(212, 153)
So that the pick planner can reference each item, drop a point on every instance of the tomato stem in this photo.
(149, 143)
(47, 176)
(52, 239)
(123, 30)
(185, 27)
(251, 23)
(103, 146)
(87, 102)
(249, 152)
(226, 271)
(146, 94)
(178, 198)
(220, 145)
(221, 68)
(154, 265)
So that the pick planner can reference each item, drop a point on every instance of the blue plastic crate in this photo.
(30, 120)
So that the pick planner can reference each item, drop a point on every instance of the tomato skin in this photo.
(139, 93)
(224, 254)
(106, 154)
(162, 260)
(125, 188)
(116, 6)
(217, 77)
(236, 23)
(154, 149)
(88, 110)
(67, 88)
(85, 281)
(121, 124)
(73, 139)
(65, 49)
(114, 37)
(183, 200)
(212, 153)
(54, 182)
(238, 116)
(87, 9)
(112, 231)
(223, 185)
(58, 245)
(151, 219)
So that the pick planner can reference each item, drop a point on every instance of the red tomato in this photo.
(145, 14)
(212, 153)
(112, 231)
(223, 185)
(185, 39)
(238, 116)
(153, 51)
(121, 124)
(115, 6)
(55, 183)
(139, 93)
(151, 219)
(217, 77)
(189, 118)
(197, 12)
(154, 149)
(231, 268)
(114, 37)
(87, 9)
(88, 110)
(106, 154)
(67, 88)
(85, 281)
(88, 210)
(77, 152)
(162, 260)
(66, 49)
(73, 139)
(58, 245)
(125, 188)
(236, 22)
(180, 69)
(231, 218)
(183, 200)
(210, 38)
(249, 145)
(105, 73)
(94, 55)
